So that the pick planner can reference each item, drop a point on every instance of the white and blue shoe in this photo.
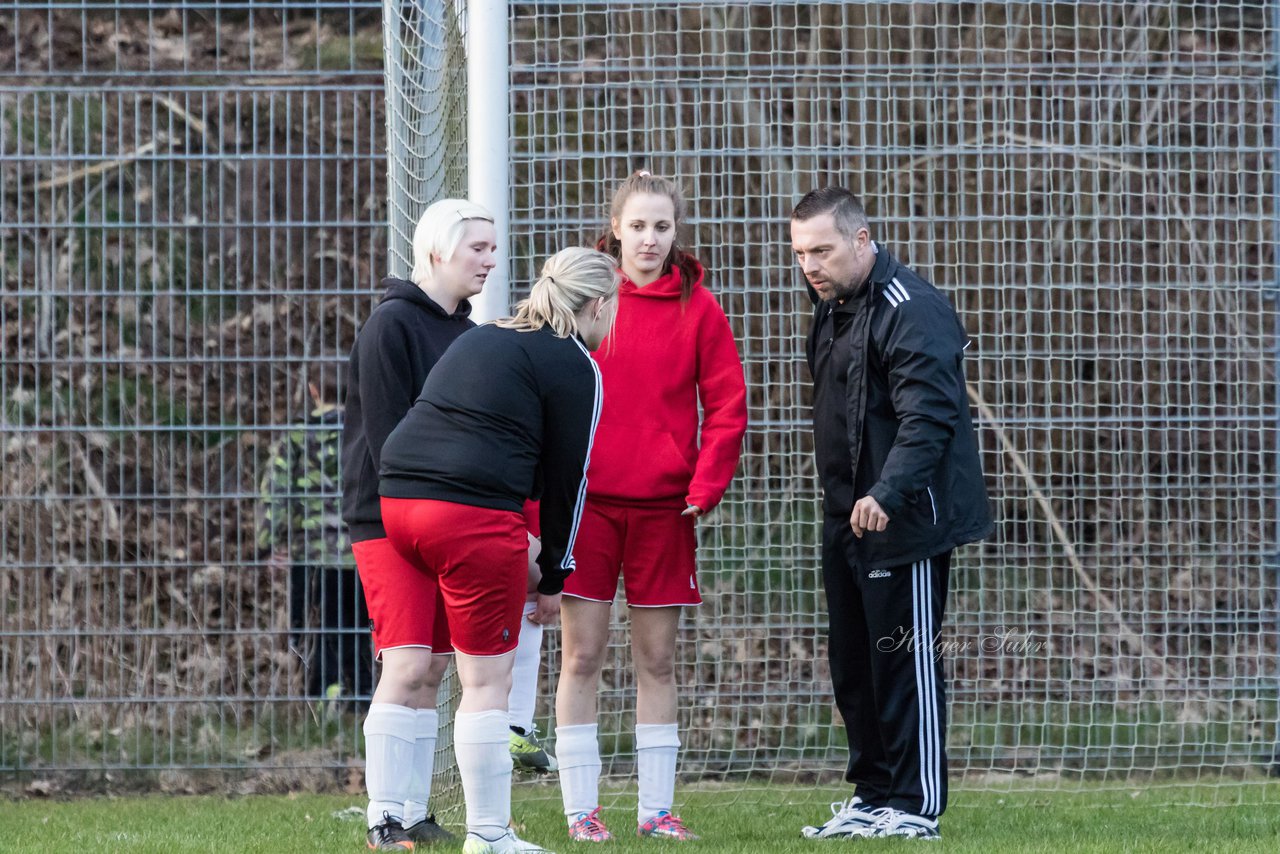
(507, 843)
(903, 825)
(849, 819)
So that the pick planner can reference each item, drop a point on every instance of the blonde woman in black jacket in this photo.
(508, 414)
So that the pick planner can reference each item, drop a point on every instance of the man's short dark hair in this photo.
(843, 206)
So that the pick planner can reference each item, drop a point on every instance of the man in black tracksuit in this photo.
(903, 487)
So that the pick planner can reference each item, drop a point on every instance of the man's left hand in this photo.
(867, 516)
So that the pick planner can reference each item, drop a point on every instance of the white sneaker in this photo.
(507, 843)
(848, 819)
(891, 822)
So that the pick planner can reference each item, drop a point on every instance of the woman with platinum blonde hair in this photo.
(507, 415)
(454, 247)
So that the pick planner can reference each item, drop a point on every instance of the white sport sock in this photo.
(424, 760)
(656, 749)
(481, 742)
(388, 759)
(578, 752)
(524, 673)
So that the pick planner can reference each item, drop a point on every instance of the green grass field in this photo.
(762, 820)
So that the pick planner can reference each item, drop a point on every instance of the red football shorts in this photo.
(405, 605)
(479, 557)
(533, 517)
(653, 548)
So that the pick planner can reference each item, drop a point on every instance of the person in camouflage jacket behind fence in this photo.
(301, 528)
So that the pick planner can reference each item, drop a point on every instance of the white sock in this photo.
(388, 759)
(656, 749)
(578, 752)
(524, 674)
(481, 742)
(424, 760)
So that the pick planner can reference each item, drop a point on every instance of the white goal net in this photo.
(1092, 184)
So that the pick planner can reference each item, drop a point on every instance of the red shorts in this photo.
(533, 517)
(653, 548)
(405, 606)
(479, 557)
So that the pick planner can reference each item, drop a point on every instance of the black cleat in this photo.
(389, 835)
(428, 832)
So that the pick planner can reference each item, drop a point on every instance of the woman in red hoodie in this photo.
(654, 470)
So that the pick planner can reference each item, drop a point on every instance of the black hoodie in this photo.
(505, 416)
(404, 337)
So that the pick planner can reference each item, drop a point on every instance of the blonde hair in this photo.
(439, 231)
(570, 279)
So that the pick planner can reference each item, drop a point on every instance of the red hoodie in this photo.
(663, 356)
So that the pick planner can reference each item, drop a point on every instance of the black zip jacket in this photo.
(404, 337)
(505, 416)
(891, 417)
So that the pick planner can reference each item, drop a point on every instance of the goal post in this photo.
(448, 120)
(489, 139)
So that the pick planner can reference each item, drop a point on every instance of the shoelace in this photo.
(591, 823)
(385, 831)
(841, 810)
(886, 815)
(670, 823)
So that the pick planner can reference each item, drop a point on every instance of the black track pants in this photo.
(887, 680)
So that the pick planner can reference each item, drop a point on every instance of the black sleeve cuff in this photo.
(890, 502)
(550, 586)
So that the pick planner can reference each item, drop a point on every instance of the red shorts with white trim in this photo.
(653, 548)
(405, 605)
(478, 556)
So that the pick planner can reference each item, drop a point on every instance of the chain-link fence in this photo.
(1092, 184)
(194, 220)
(192, 225)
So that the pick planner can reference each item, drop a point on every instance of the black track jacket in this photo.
(504, 416)
(404, 337)
(891, 416)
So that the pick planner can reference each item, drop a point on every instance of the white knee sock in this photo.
(388, 759)
(481, 742)
(424, 760)
(656, 749)
(524, 674)
(578, 752)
